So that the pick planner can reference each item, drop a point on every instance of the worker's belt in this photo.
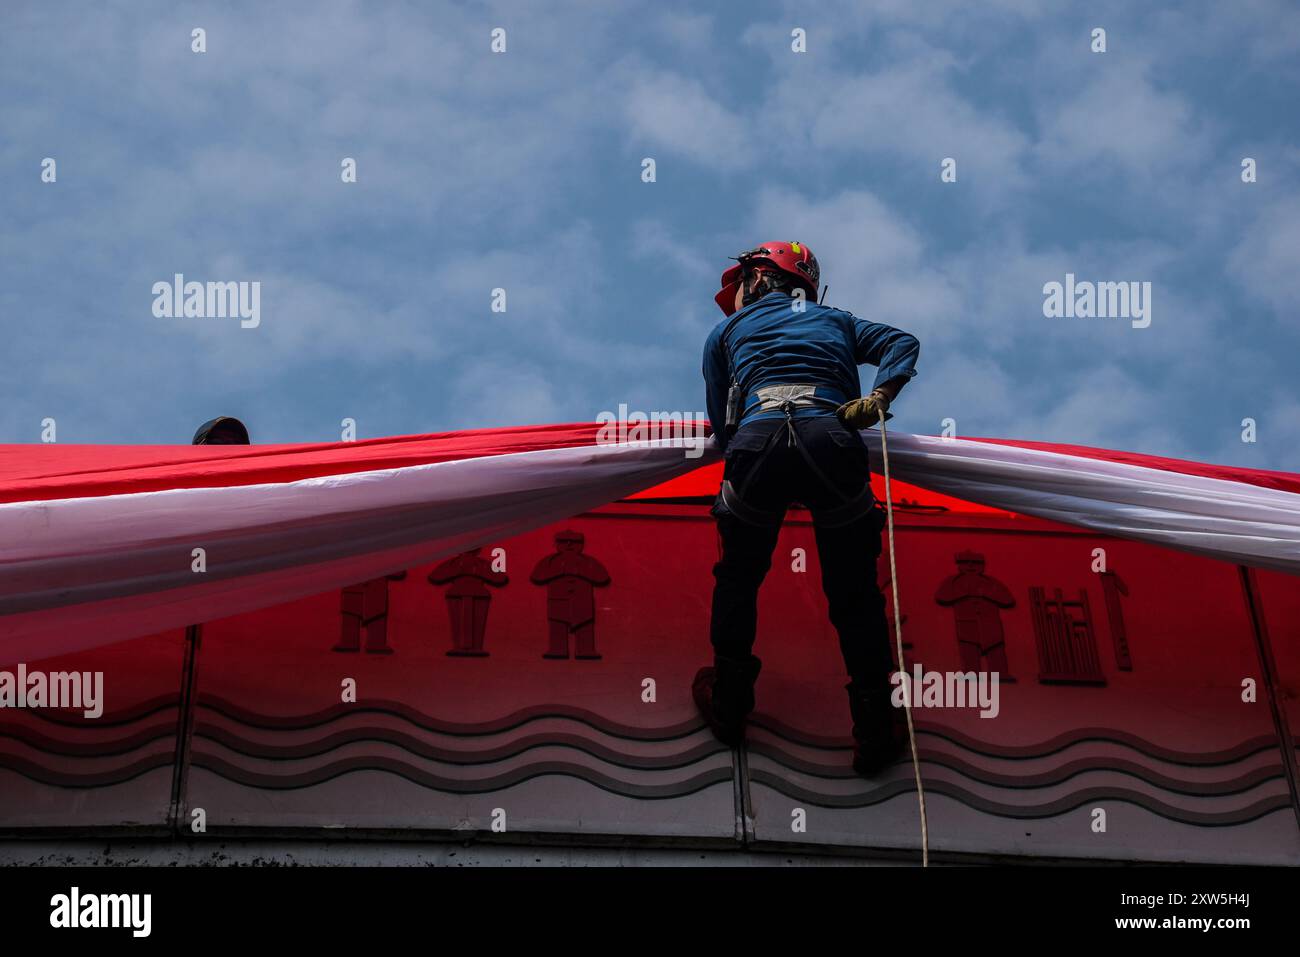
(791, 397)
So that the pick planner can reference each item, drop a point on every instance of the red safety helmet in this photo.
(793, 259)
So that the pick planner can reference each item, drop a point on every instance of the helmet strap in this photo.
(756, 284)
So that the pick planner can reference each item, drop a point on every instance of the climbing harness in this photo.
(898, 638)
(788, 398)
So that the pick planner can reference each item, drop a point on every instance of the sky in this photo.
(522, 170)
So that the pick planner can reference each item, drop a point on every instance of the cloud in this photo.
(1266, 261)
(662, 249)
(490, 392)
(691, 32)
(668, 111)
(912, 112)
(1120, 117)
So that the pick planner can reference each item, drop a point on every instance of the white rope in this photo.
(898, 638)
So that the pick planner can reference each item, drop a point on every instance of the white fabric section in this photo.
(79, 573)
(1231, 521)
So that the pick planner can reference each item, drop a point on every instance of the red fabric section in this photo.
(704, 482)
(1283, 481)
(52, 471)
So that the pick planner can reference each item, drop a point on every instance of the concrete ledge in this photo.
(315, 853)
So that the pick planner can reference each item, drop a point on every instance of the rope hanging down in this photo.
(898, 639)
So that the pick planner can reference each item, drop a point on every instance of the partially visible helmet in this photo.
(223, 430)
(790, 259)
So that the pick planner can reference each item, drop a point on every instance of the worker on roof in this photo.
(223, 430)
(781, 376)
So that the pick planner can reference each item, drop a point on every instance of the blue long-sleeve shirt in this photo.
(771, 343)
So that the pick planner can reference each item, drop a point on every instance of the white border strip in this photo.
(1231, 521)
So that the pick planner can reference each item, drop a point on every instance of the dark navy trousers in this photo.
(768, 473)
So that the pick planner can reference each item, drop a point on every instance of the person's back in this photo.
(782, 339)
(782, 382)
(773, 341)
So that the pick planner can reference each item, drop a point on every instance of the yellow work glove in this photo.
(865, 412)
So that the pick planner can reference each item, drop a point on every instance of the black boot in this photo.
(879, 728)
(725, 695)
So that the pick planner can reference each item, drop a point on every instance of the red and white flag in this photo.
(102, 543)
